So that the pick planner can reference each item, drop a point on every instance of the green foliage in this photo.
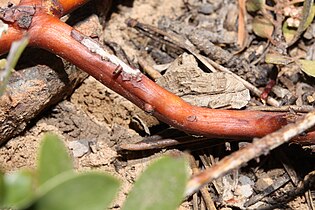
(288, 32)
(297, 18)
(85, 191)
(18, 188)
(307, 66)
(254, 5)
(62, 162)
(55, 185)
(275, 58)
(308, 13)
(161, 186)
(1, 188)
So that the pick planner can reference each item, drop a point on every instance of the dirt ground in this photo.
(94, 120)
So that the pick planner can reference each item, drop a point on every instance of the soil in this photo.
(94, 121)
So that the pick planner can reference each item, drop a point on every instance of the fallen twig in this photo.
(278, 183)
(204, 192)
(287, 108)
(302, 187)
(34, 89)
(259, 147)
(149, 69)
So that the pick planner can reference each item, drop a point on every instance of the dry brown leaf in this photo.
(214, 90)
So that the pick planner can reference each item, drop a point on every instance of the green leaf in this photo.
(288, 32)
(278, 59)
(309, 16)
(53, 158)
(86, 191)
(307, 66)
(1, 188)
(16, 50)
(161, 186)
(18, 189)
(254, 5)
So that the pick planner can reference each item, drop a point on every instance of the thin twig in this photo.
(281, 181)
(154, 74)
(303, 186)
(288, 167)
(294, 108)
(204, 192)
(147, 144)
(309, 199)
(259, 147)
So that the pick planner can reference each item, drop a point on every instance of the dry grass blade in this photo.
(204, 192)
(242, 33)
(16, 50)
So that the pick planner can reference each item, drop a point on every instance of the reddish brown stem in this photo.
(48, 32)
(60, 7)
(148, 95)
(69, 5)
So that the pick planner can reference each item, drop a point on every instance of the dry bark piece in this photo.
(34, 89)
(214, 90)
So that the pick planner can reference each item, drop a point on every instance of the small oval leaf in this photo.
(288, 32)
(307, 66)
(53, 158)
(277, 59)
(254, 5)
(85, 191)
(262, 27)
(18, 189)
(161, 186)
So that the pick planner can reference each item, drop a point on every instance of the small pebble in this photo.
(263, 183)
(79, 148)
(206, 9)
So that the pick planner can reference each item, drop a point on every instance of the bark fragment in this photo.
(33, 89)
